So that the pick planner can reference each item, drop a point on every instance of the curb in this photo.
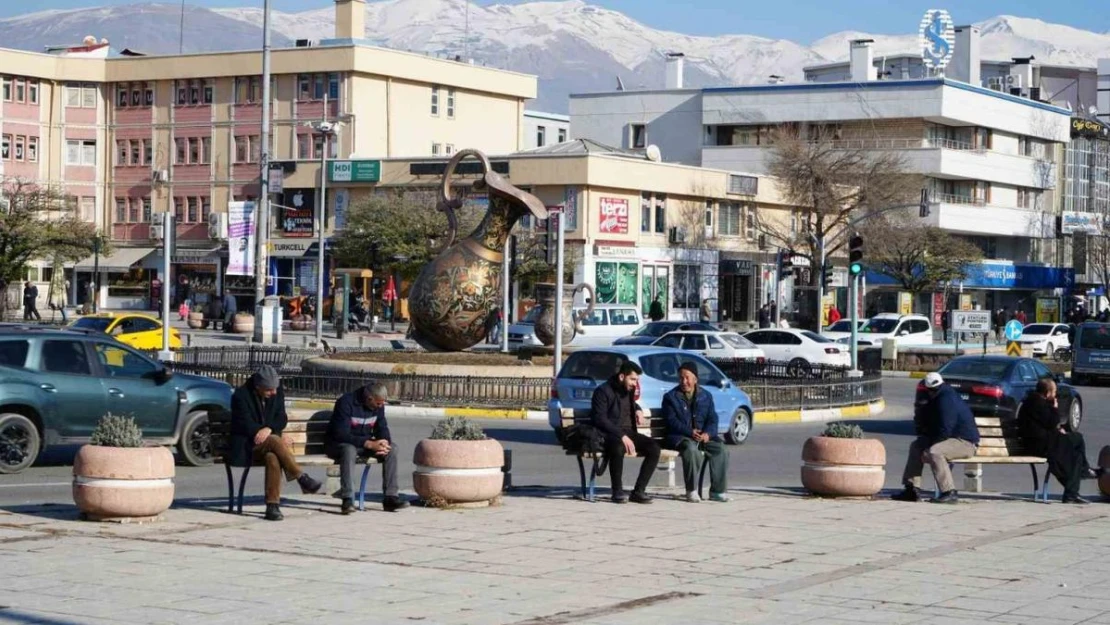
(827, 414)
(904, 374)
(433, 413)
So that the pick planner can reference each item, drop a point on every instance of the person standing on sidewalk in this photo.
(31, 302)
(1044, 431)
(356, 431)
(230, 308)
(614, 413)
(945, 429)
(258, 419)
(692, 432)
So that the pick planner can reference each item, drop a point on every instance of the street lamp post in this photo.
(96, 272)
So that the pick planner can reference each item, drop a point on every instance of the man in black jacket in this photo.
(258, 419)
(357, 430)
(613, 412)
(1043, 431)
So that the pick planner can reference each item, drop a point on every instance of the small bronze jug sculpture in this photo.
(454, 294)
(572, 323)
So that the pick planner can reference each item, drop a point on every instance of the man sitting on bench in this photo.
(692, 432)
(945, 429)
(613, 412)
(1045, 433)
(357, 430)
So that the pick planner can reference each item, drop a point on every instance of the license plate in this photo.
(583, 393)
(964, 396)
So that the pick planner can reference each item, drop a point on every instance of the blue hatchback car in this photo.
(587, 369)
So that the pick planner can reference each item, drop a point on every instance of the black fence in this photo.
(813, 395)
(742, 369)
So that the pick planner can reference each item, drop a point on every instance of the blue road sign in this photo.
(1013, 330)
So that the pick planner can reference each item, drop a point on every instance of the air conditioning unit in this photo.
(678, 235)
(1016, 91)
(159, 175)
(996, 84)
(217, 226)
(156, 222)
(1035, 93)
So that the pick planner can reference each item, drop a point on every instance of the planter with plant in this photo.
(116, 477)
(842, 463)
(458, 464)
(242, 323)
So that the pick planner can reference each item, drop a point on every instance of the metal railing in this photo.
(811, 395)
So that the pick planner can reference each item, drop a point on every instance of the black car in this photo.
(994, 386)
(647, 333)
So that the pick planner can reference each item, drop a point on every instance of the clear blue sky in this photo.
(799, 20)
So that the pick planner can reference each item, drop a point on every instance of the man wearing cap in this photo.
(692, 431)
(358, 430)
(945, 429)
(258, 419)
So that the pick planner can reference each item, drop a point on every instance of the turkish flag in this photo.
(390, 292)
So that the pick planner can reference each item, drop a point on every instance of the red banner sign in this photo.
(614, 216)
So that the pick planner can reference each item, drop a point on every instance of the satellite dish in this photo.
(653, 153)
(1093, 110)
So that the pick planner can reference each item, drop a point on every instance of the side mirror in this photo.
(904, 333)
(163, 375)
(722, 383)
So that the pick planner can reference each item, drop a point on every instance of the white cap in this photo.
(933, 380)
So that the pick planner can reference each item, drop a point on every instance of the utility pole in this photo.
(262, 215)
(555, 220)
(325, 130)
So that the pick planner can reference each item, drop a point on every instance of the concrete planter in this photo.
(299, 322)
(1104, 462)
(843, 467)
(458, 472)
(196, 320)
(243, 324)
(118, 482)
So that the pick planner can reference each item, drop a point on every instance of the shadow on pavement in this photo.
(15, 615)
(46, 511)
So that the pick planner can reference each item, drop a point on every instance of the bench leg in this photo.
(973, 478)
(362, 488)
(701, 477)
(230, 489)
(593, 480)
(1044, 488)
(243, 486)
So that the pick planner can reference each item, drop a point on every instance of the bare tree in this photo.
(1098, 260)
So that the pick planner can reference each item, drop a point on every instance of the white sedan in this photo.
(1045, 338)
(800, 349)
(842, 329)
(729, 345)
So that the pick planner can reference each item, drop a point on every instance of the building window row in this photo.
(191, 209)
(196, 92)
(134, 94)
(133, 210)
(81, 95)
(248, 89)
(314, 86)
(82, 207)
(441, 149)
(134, 152)
(451, 101)
(81, 152)
(736, 219)
(311, 147)
(20, 89)
(653, 205)
(192, 150)
(248, 148)
(19, 148)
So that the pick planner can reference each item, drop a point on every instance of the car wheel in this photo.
(1049, 350)
(1061, 354)
(798, 368)
(740, 427)
(20, 443)
(195, 445)
(1075, 415)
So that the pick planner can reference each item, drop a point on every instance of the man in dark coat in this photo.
(614, 413)
(655, 311)
(31, 302)
(692, 431)
(945, 429)
(764, 316)
(1043, 431)
(258, 419)
(358, 430)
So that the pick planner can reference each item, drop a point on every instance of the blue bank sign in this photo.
(988, 275)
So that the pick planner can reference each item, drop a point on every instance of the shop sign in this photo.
(1048, 310)
(1089, 128)
(276, 180)
(286, 248)
(736, 267)
(298, 212)
(342, 202)
(1072, 222)
(614, 215)
(570, 203)
(617, 251)
(995, 275)
(937, 36)
(354, 171)
(971, 321)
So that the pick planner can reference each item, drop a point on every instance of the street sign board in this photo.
(354, 171)
(1013, 348)
(971, 321)
(1013, 330)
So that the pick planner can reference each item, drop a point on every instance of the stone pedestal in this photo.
(267, 322)
(973, 478)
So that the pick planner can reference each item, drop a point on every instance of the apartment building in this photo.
(131, 136)
(543, 129)
(990, 158)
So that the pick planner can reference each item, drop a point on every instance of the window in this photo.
(205, 150)
(178, 210)
(714, 342)
(749, 222)
(743, 185)
(121, 153)
(121, 210)
(136, 95)
(206, 92)
(20, 90)
(88, 209)
(318, 146)
(205, 209)
(660, 214)
(435, 149)
(562, 135)
(661, 367)
(304, 147)
(673, 340)
(451, 104)
(645, 212)
(687, 286)
(6, 147)
(435, 100)
(136, 152)
(193, 210)
(181, 150)
(71, 204)
(7, 89)
(148, 94)
(449, 149)
(133, 211)
(80, 152)
(73, 95)
(194, 92)
(14, 353)
(20, 145)
(32, 149)
(709, 216)
(728, 219)
(194, 150)
(122, 363)
(638, 136)
(242, 149)
(148, 152)
(147, 217)
(182, 89)
(32, 91)
(333, 86)
(65, 357)
(247, 89)
(541, 136)
(694, 341)
(88, 96)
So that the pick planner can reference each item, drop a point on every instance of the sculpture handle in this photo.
(589, 307)
(449, 204)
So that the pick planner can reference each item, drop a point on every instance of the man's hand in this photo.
(378, 447)
(640, 418)
(629, 447)
(262, 435)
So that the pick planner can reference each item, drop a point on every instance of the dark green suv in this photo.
(55, 385)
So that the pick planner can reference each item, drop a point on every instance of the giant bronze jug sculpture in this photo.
(572, 321)
(455, 293)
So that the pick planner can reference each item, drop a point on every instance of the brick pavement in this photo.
(545, 559)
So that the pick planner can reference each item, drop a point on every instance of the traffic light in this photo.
(826, 277)
(786, 263)
(855, 254)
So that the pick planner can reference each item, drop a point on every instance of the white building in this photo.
(989, 157)
(544, 129)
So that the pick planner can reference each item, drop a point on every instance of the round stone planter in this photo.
(196, 320)
(117, 482)
(843, 467)
(458, 472)
(1104, 480)
(299, 322)
(243, 324)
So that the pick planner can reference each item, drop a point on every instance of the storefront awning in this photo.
(122, 259)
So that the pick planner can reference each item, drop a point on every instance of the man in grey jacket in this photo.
(357, 431)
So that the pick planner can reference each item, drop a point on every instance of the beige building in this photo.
(128, 136)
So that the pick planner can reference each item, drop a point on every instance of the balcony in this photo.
(969, 215)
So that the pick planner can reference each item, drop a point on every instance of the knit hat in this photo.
(688, 366)
(266, 377)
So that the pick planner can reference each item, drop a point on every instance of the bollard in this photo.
(507, 469)
(304, 341)
(362, 342)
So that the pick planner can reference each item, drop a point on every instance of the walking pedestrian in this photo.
(655, 311)
(30, 302)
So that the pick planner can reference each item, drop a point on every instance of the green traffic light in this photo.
(855, 268)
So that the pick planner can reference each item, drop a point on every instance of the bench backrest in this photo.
(999, 437)
(307, 430)
(656, 427)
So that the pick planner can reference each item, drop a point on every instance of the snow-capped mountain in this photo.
(571, 45)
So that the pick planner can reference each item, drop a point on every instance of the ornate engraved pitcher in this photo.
(572, 323)
(455, 293)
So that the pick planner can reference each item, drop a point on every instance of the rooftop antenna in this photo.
(181, 30)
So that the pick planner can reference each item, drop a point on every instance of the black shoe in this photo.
(309, 486)
(347, 506)
(907, 494)
(620, 497)
(947, 497)
(393, 504)
(1074, 499)
(640, 497)
(273, 512)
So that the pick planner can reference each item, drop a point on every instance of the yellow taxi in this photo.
(138, 331)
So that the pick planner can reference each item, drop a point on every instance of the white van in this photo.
(606, 324)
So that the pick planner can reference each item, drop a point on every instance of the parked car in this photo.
(585, 370)
(649, 332)
(1045, 338)
(604, 325)
(138, 331)
(800, 349)
(1090, 352)
(55, 385)
(523, 332)
(905, 329)
(842, 329)
(995, 386)
(714, 344)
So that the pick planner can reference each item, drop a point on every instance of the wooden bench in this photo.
(656, 428)
(307, 430)
(1000, 443)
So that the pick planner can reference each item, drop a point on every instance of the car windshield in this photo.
(841, 326)
(1037, 328)
(816, 338)
(977, 368)
(654, 329)
(1095, 337)
(592, 365)
(879, 326)
(737, 341)
(100, 324)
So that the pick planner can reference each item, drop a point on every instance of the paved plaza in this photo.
(544, 558)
